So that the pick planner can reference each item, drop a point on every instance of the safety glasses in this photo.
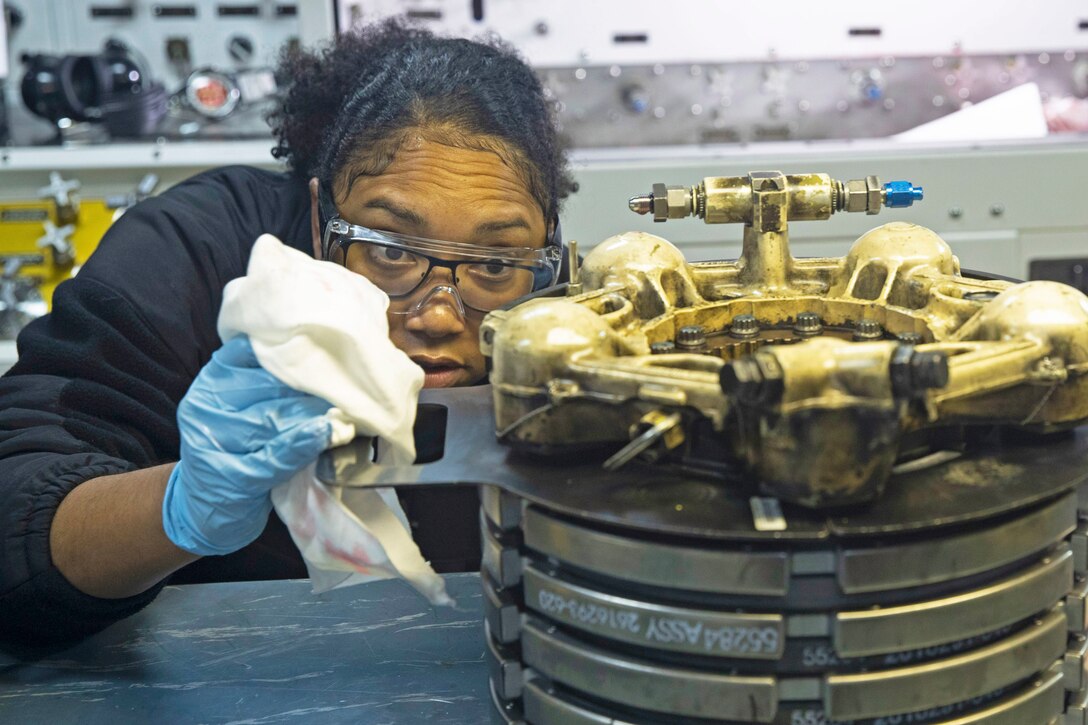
(485, 277)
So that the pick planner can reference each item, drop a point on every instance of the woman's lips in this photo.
(440, 372)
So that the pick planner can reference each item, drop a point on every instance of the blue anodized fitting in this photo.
(898, 194)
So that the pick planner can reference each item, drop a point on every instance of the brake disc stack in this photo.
(833, 620)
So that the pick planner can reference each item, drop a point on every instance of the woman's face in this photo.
(452, 194)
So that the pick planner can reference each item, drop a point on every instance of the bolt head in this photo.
(868, 330)
(808, 323)
(909, 338)
(691, 336)
(744, 326)
(662, 348)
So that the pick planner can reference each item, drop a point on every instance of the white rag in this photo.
(322, 329)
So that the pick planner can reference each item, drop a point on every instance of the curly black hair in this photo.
(349, 105)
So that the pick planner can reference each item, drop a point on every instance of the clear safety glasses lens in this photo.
(485, 277)
(439, 291)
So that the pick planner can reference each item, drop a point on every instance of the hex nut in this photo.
(660, 196)
(855, 195)
(679, 202)
(875, 193)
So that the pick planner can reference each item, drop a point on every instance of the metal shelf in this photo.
(158, 154)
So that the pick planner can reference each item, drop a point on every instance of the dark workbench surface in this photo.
(266, 652)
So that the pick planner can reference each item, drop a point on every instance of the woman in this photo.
(430, 165)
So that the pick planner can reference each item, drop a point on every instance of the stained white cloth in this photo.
(323, 330)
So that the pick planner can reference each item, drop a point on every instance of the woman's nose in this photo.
(439, 313)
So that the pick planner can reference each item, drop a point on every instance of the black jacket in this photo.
(96, 388)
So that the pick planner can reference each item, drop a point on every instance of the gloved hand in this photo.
(242, 433)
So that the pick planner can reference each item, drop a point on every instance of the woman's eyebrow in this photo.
(499, 225)
(400, 212)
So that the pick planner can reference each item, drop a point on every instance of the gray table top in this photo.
(267, 652)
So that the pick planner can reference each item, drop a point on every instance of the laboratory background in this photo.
(984, 101)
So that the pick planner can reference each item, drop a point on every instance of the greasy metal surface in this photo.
(998, 477)
(752, 635)
(915, 563)
(924, 624)
(1076, 606)
(1076, 712)
(663, 565)
(1039, 702)
(1079, 542)
(657, 626)
(1074, 662)
(737, 571)
(817, 420)
(500, 507)
(643, 685)
(544, 708)
(951, 680)
(504, 712)
(501, 561)
(504, 666)
(501, 612)
(955, 684)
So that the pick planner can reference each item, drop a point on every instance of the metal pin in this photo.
(575, 285)
(767, 514)
(641, 443)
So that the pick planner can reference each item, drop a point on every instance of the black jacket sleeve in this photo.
(96, 387)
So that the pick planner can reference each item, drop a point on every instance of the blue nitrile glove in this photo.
(242, 433)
